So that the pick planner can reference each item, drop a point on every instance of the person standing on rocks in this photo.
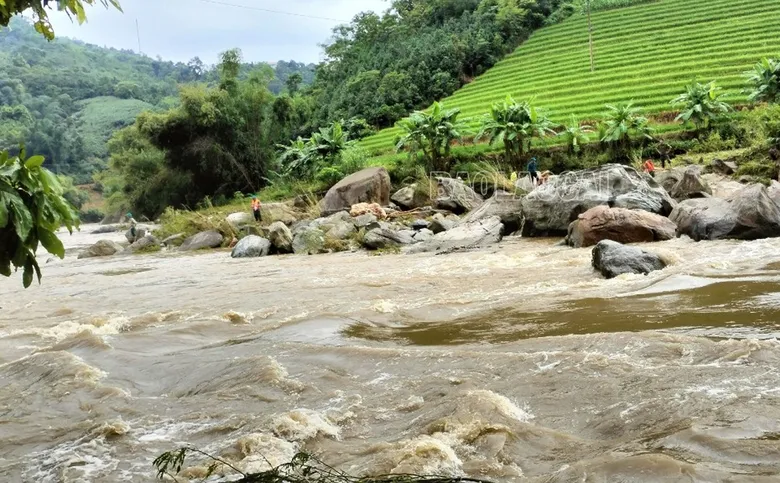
(532, 171)
(649, 167)
(256, 208)
(133, 224)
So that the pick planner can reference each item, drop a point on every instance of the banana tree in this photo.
(701, 104)
(765, 81)
(575, 135)
(623, 123)
(432, 133)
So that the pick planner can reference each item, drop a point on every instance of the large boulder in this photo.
(140, 232)
(749, 214)
(280, 237)
(551, 207)
(691, 186)
(669, 178)
(620, 225)
(204, 239)
(338, 226)
(475, 234)
(272, 212)
(440, 223)
(508, 207)
(251, 247)
(380, 238)
(240, 219)
(410, 197)
(143, 244)
(103, 248)
(613, 259)
(308, 241)
(103, 229)
(455, 196)
(371, 185)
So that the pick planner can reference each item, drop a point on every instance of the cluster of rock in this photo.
(602, 207)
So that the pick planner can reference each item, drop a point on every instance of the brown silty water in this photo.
(513, 363)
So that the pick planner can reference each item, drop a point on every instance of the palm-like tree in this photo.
(622, 123)
(298, 158)
(330, 142)
(701, 103)
(765, 81)
(575, 135)
(432, 133)
(515, 124)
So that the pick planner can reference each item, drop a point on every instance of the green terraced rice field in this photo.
(645, 53)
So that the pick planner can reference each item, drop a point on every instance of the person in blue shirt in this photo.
(532, 170)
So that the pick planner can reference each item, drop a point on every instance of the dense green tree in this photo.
(764, 81)
(701, 104)
(293, 83)
(432, 133)
(514, 124)
(622, 124)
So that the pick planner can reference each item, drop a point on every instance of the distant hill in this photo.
(65, 98)
(644, 53)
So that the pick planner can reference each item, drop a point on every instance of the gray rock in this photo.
(272, 212)
(105, 229)
(371, 185)
(724, 167)
(613, 259)
(309, 241)
(281, 237)
(365, 220)
(486, 231)
(691, 186)
(410, 198)
(455, 196)
(251, 247)
(439, 223)
(669, 178)
(419, 224)
(103, 248)
(551, 207)
(423, 235)
(749, 214)
(174, 240)
(380, 238)
(240, 219)
(508, 207)
(140, 232)
(143, 243)
(205, 239)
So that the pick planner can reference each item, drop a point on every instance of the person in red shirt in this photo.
(256, 208)
(649, 167)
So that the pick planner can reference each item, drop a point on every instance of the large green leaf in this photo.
(51, 243)
(34, 162)
(27, 277)
(23, 220)
(3, 212)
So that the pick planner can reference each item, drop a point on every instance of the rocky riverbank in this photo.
(611, 202)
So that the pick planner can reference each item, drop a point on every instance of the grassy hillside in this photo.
(100, 117)
(645, 53)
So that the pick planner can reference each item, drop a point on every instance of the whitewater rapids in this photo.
(514, 363)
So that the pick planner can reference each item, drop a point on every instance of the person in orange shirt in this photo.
(256, 208)
(649, 167)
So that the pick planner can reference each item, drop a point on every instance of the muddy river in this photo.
(516, 363)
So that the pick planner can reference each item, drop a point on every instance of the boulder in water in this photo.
(280, 237)
(749, 214)
(620, 225)
(550, 208)
(205, 239)
(475, 234)
(691, 185)
(455, 196)
(371, 185)
(613, 259)
(380, 238)
(103, 248)
(308, 241)
(508, 207)
(251, 247)
(105, 229)
(143, 244)
(140, 232)
(410, 198)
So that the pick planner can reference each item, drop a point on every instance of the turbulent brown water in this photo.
(516, 363)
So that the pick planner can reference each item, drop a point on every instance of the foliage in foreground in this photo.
(74, 8)
(303, 468)
(32, 209)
